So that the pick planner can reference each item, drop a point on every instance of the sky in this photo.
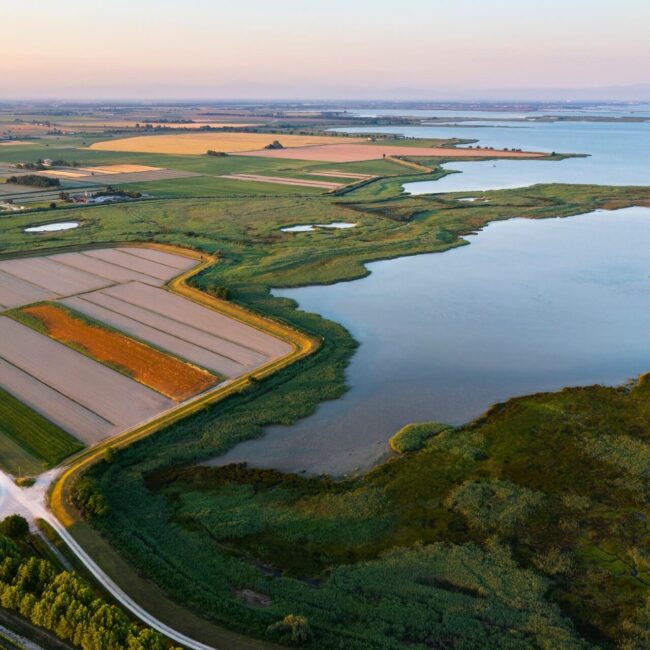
(331, 49)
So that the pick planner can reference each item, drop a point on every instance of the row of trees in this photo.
(34, 180)
(59, 601)
(40, 164)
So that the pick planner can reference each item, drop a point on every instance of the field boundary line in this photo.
(408, 163)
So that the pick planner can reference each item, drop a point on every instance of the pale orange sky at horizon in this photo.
(314, 49)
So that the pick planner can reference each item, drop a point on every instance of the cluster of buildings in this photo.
(89, 199)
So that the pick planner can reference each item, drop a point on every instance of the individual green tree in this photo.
(147, 639)
(15, 527)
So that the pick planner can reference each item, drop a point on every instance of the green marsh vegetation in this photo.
(415, 436)
(527, 528)
(534, 496)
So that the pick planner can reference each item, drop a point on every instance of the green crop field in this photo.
(43, 443)
(211, 186)
(16, 459)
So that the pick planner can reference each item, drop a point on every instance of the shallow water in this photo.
(528, 306)
(619, 154)
(53, 227)
(609, 110)
(338, 225)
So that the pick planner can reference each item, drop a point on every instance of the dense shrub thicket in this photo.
(88, 498)
(33, 180)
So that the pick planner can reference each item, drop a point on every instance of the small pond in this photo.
(313, 226)
(53, 227)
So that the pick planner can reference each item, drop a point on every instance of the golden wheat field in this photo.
(199, 143)
(121, 169)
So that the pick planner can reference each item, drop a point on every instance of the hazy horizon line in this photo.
(608, 93)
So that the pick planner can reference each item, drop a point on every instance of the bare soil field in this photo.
(212, 340)
(323, 185)
(202, 318)
(15, 291)
(140, 177)
(127, 318)
(32, 279)
(130, 261)
(99, 172)
(129, 174)
(63, 173)
(121, 169)
(10, 143)
(113, 397)
(166, 374)
(190, 143)
(74, 418)
(92, 305)
(146, 349)
(341, 153)
(47, 274)
(176, 262)
(338, 174)
(111, 272)
(184, 328)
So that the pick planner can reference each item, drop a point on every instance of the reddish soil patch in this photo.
(341, 153)
(165, 374)
(324, 185)
(92, 385)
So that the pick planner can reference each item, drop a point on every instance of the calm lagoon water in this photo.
(528, 306)
(609, 110)
(619, 154)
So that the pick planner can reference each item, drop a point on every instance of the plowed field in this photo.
(163, 373)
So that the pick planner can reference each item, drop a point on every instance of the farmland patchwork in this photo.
(81, 332)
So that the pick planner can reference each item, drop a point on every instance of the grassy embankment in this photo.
(444, 584)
